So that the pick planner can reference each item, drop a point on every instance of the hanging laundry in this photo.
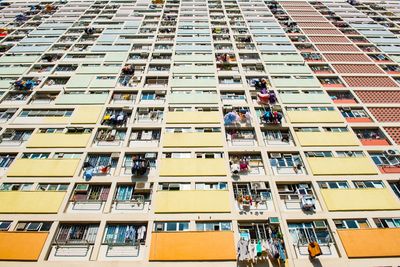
(314, 249)
(141, 232)
(243, 250)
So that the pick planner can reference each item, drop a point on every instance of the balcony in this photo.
(145, 138)
(88, 198)
(132, 198)
(73, 242)
(241, 137)
(193, 246)
(109, 138)
(359, 199)
(371, 137)
(253, 196)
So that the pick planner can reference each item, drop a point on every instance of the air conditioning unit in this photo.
(275, 155)
(82, 188)
(392, 152)
(258, 185)
(346, 108)
(142, 187)
(319, 224)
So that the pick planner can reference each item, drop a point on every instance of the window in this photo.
(16, 187)
(286, 160)
(211, 186)
(388, 223)
(124, 234)
(174, 186)
(6, 160)
(380, 159)
(51, 130)
(52, 187)
(4, 226)
(307, 129)
(171, 226)
(304, 233)
(322, 108)
(350, 154)
(369, 184)
(336, 129)
(76, 234)
(319, 154)
(33, 226)
(35, 155)
(354, 113)
(333, 185)
(213, 226)
(46, 113)
(351, 224)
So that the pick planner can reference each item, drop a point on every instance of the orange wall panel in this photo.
(21, 246)
(368, 243)
(191, 246)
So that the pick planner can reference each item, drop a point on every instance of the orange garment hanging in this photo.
(314, 249)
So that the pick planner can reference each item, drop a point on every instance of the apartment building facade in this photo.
(199, 133)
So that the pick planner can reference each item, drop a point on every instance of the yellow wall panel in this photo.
(193, 117)
(30, 201)
(368, 243)
(56, 120)
(359, 199)
(58, 140)
(327, 139)
(192, 246)
(192, 167)
(341, 166)
(192, 201)
(309, 116)
(21, 246)
(86, 114)
(193, 140)
(43, 167)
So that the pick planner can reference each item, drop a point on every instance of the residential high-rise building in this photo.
(199, 133)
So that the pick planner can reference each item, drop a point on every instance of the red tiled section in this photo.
(337, 47)
(375, 96)
(315, 25)
(294, 3)
(300, 8)
(302, 13)
(309, 18)
(391, 114)
(361, 81)
(347, 57)
(357, 68)
(322, 31)
(394, 133)
(374, 142)
(329, 39)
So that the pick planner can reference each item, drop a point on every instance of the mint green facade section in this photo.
(305, 98)
(19, 59)
(193, 58)
(193, 98)
(282, 58)
(193, 82)
(283, 69)
(82, 99)
(193, 70)
(115, 57)
(296, 82)
(13, 70)
(79, 81)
